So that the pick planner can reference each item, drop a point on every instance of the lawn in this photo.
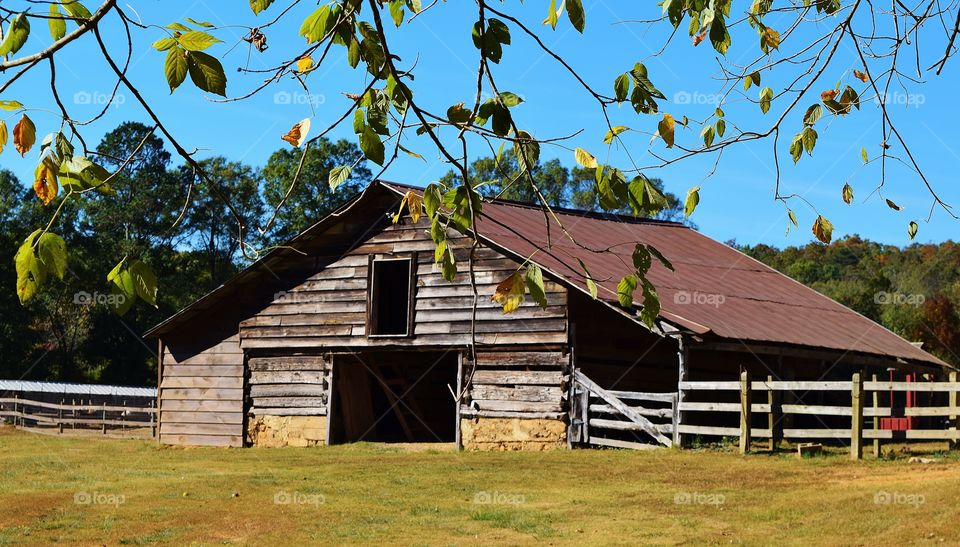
(108, 491)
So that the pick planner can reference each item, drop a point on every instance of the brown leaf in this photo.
(823, 229)
(509, 293)
(700, 37)
(828, 95)
(862, 76)
(24, 135)
(298, 133)
(45, 185)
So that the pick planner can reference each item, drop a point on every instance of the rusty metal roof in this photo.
(714, 288)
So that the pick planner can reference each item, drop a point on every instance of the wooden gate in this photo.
(602, 417)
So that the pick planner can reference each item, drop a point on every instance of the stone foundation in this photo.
(272, 431)
(513, 434)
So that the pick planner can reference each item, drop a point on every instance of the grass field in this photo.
(93, 491)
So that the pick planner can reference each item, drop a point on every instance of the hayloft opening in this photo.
(390, 295)
(394, 397)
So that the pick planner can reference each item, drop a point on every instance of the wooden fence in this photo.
(74, 414)
(620, 419)
(872, 399)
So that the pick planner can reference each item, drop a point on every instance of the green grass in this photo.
(143, 494)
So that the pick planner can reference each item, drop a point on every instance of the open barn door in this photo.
(398, 396)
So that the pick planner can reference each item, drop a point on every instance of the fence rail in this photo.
(77, 415)
(940, 414)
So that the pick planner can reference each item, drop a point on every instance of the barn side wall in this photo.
(516, 401)
(287, 400)
(329, 308)
(201, 390)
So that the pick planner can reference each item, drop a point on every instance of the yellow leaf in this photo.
(847, 193)
(304, 64)
(585, 158)
(415, 206)
(823, 229)
(3, 134)
(45, 184)
(298, 133)
(24, 135)
(509, 293)
(772, 38)
(666, 127)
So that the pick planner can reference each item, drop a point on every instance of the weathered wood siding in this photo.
(201, 391)
(517, 384)
(289, 385)
(329, 309)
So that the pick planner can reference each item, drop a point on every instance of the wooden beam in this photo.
(856, 422)
(683, 372)
(631, 413)
(745, 412)
(952, 397)
(876, 420)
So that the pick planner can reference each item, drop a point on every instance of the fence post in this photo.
(60, 417)
(153, 417)
(103, 419)
(856, 420)
(773, 417)
(676, 420)
(15, 415)
(73, 413)
(585, 412)
(745, 412)
(953, 411)
(876, 420)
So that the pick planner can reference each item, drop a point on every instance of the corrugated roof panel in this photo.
(76, 389)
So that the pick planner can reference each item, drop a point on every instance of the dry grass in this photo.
(377, 494)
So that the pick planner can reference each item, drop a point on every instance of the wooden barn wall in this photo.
(289, 385)
(329, 308)
(517, 384)
(617, 352)
(201, 390)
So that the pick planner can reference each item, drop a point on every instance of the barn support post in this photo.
(156, 424)
(457, 398)
(952, 395)
(876, 420)
(683, 371)
(856, 421)
(745, 404)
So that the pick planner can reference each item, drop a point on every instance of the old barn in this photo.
(350, 333)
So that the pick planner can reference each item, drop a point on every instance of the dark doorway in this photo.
(394, 397)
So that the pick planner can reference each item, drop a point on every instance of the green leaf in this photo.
(814, 112)
(204, 24)
(625, 290)
(707, 133)
(766, 95)
(809, 138)
(527, 150)
(371, 145)
(847, 193)
(693, 199)
(144, 282)
(123, 290)
(175, 67)
(58, 27)
(534, 279)
(316, 25)
(259, 5)
(52, 251)
(163, 44)
(863, 155)
(793, 217)
(591, 284)
(338, 175)
(912, 230)
(196, 40)
(76, 9)
(10, 105)
(510, 100)
(432, 199)
(16, 35)
(621, 87)
(576, 14)
(207, 73)
(30, 271)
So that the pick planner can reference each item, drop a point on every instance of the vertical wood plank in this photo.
(953, 411)
(676, 420)
(331, 397)
(458, 394)
(876, 420)
(856, 421)
(682, 376)
(745, 403)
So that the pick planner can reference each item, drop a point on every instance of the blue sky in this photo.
(736, 201)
